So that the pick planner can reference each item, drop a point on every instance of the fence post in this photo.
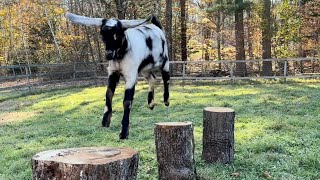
(14, 73)
(231, 72)
(74, 70)
(95, 73)
(312, 61)
(28, 73)
(183, 70)
(285, 70)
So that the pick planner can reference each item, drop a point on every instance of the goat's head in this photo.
(112, 30)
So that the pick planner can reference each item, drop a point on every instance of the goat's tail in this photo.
(154, 20)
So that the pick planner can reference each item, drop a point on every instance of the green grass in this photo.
(277, 127)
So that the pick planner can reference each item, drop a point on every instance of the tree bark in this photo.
(266, 38)
(168, 27)
(183, 33)
(175, 150)
(218, 135)
(121, 8)
(86, 163)
(241, 69)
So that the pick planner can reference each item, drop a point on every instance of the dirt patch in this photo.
(12, 105)
(15, 117)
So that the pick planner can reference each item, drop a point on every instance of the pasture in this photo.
(277, 126)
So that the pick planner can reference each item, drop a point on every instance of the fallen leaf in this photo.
(235, 174)
(266, 174)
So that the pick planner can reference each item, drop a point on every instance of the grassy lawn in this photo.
(277, 127)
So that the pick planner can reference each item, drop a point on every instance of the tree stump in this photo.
(86, 163)
(175, 150)
(218, 135)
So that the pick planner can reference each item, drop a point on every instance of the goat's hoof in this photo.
(166, 103)
(124, 135)
(105, 124)
(121, 136)
(151, 107)
(106, 121)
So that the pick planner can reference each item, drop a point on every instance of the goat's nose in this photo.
(110, 54)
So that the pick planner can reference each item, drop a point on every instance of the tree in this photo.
(266, 37)
(168, 27)
(183, 30)
(121, 8)
(241, 69)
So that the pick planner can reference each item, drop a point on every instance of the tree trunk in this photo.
(218, 135)
(121, 8)
(86, 163)
(168, 28)
(266, 38)
(207, 36)
(183, 31)
(241, 69)
(250, 37)
(175, 150)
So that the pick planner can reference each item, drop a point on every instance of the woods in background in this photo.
(35, 31)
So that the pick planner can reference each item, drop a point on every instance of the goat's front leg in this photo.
(127, 105)
(112, 83)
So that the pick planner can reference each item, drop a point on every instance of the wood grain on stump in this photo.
(218, 135)
(175, 150)
(86, 163)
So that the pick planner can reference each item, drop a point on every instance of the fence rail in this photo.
(180, 70)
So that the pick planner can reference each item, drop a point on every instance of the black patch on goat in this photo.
(149, 43)
(156, 22)
(145, 62)
(127, 104)
(112, 83)
(166, 78)
(165, 59)
(163, 42)
(147, 28)
(122, 51)
(114, 38)
(140, 31)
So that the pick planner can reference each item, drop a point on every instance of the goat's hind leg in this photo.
(112, 83)
(151, 80)
(165, 78)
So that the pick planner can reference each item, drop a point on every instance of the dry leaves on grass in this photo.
(15, 116)
(267, 175)
(235, 174)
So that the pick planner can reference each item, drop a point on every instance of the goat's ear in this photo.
(132, 23)
(84, 20)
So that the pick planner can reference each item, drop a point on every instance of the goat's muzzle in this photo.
(110, 54)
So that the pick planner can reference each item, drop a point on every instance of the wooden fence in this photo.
(31, 75)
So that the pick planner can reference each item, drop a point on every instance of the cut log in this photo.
(175, 150)
(86, 163)
(218, 135)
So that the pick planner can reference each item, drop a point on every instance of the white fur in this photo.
(138, 51)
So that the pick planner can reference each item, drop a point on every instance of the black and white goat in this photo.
(133, 47)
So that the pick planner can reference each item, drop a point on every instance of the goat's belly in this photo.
(149, 67)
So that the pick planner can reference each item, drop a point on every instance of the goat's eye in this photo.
(115, 37)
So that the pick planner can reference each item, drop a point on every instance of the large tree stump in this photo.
(218, 135)
(87, 163)
(175, 150)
